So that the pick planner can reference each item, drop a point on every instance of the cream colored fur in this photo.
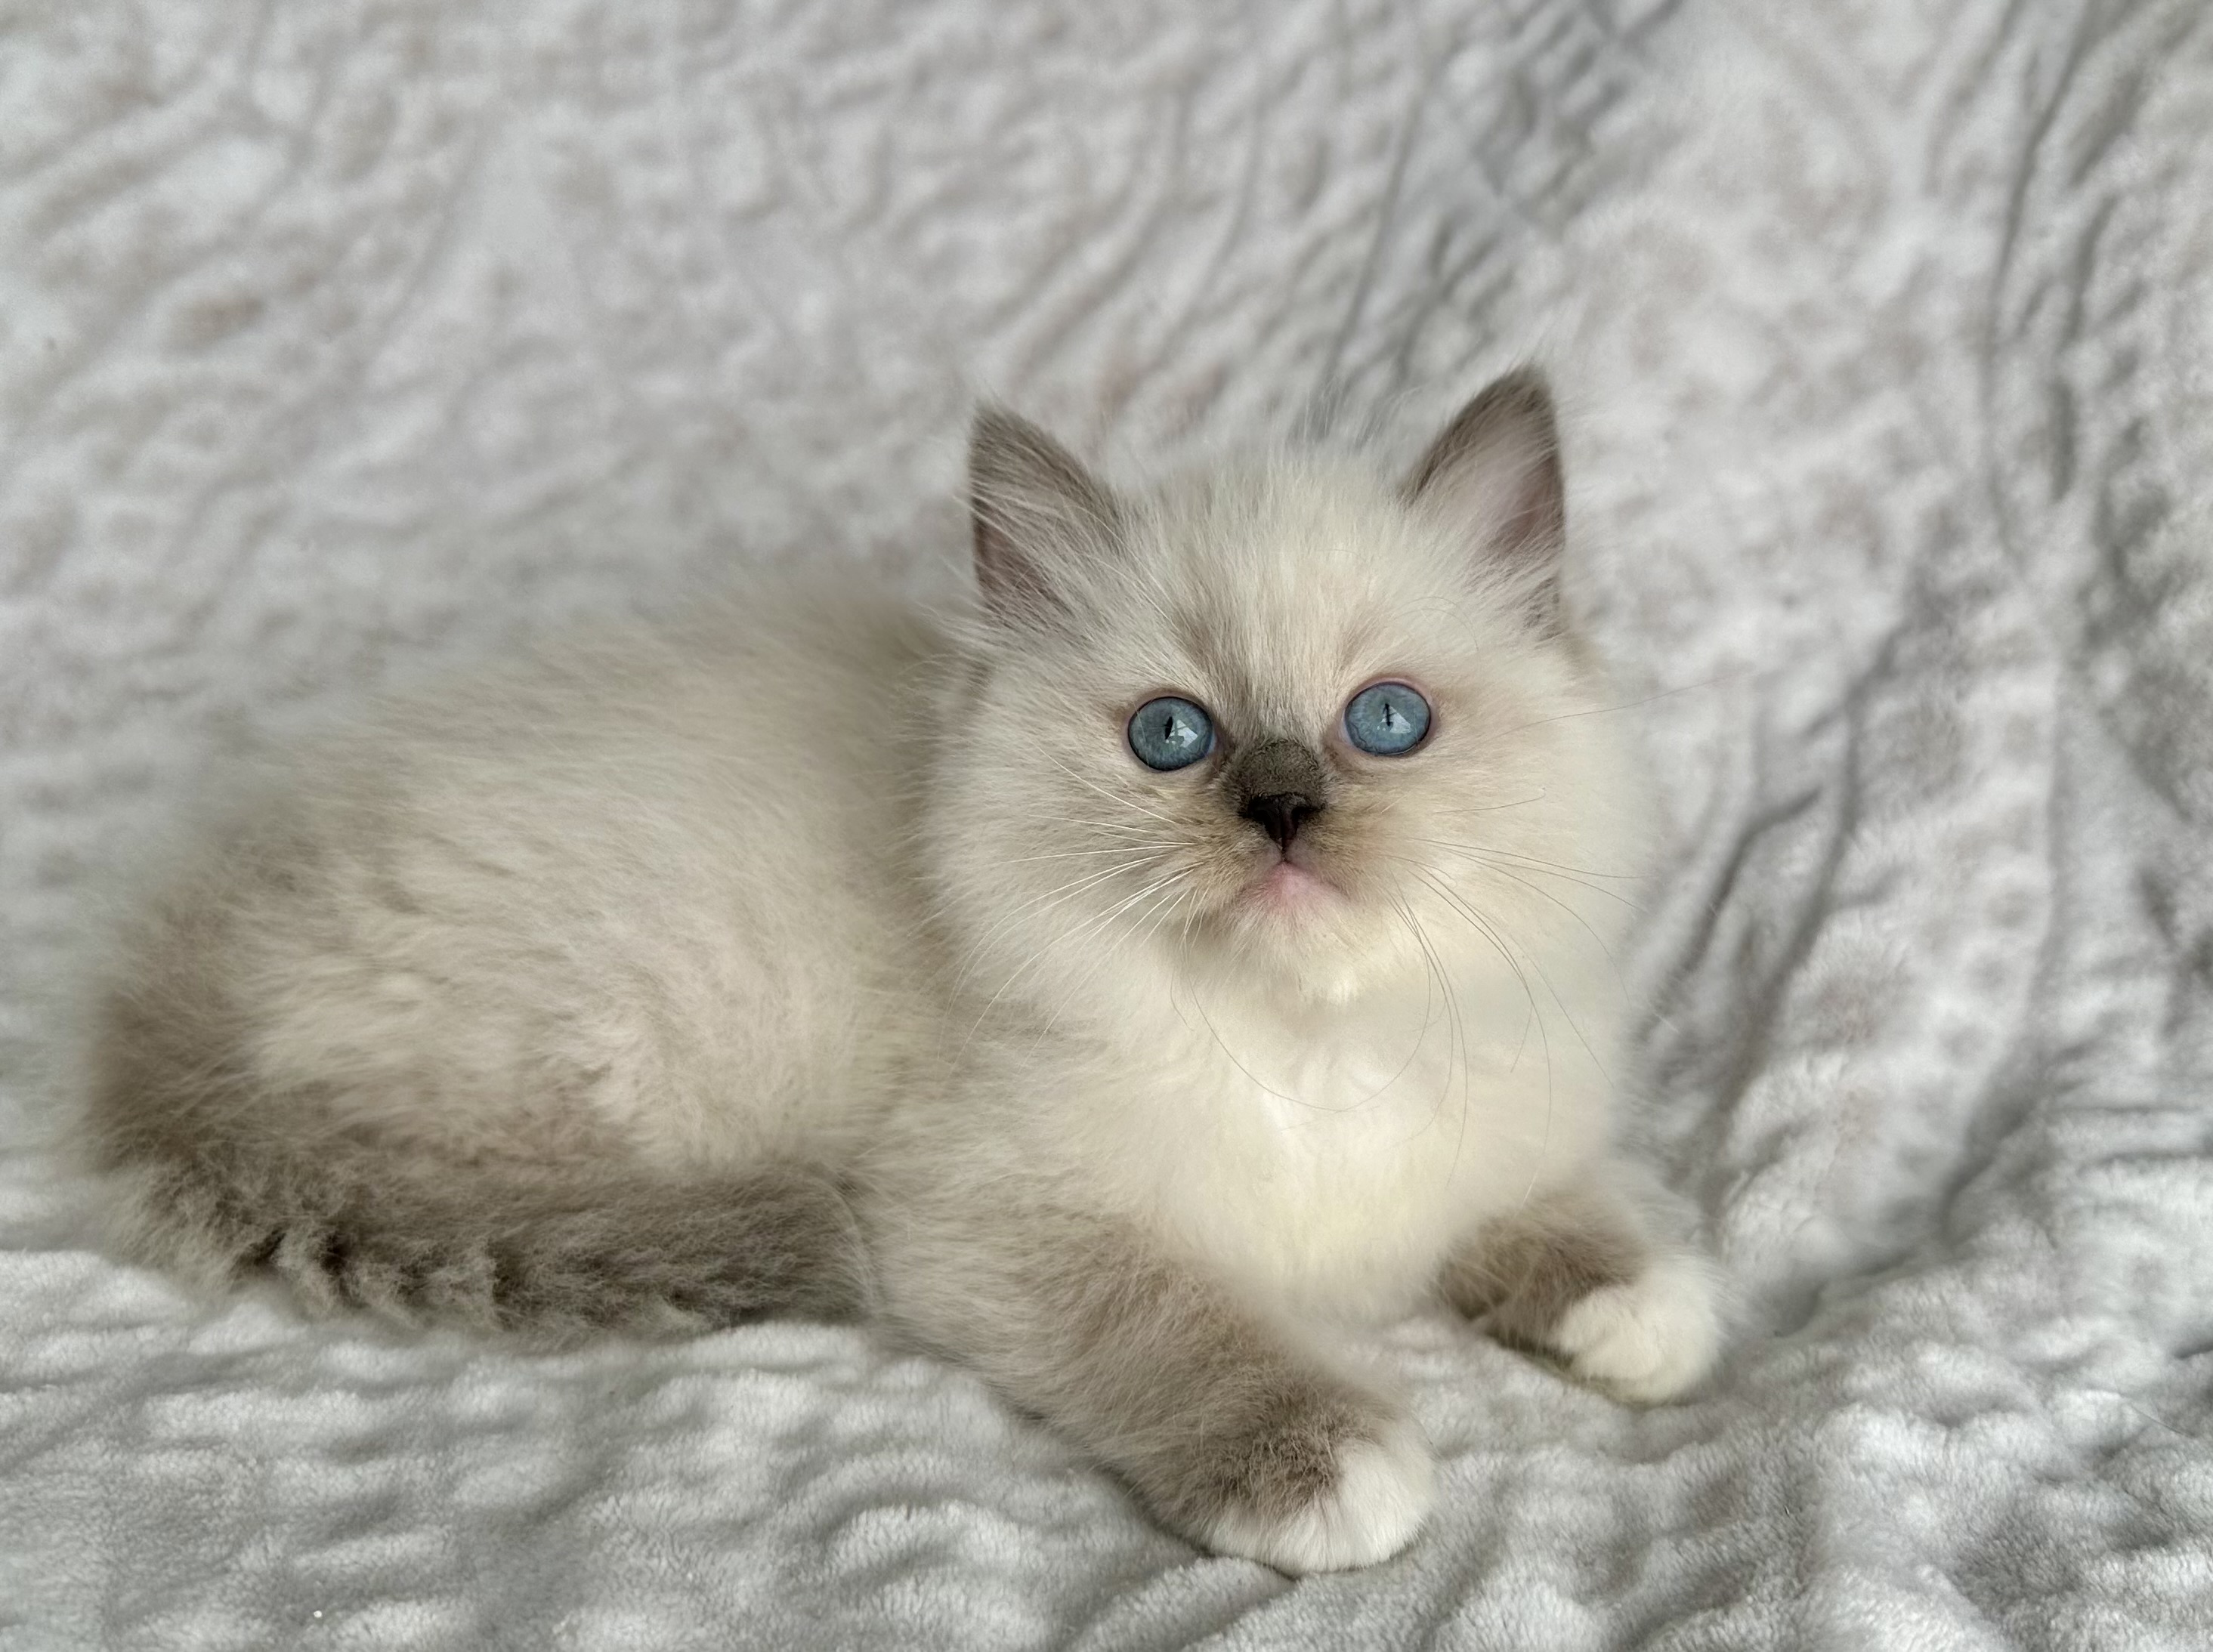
(818, 956)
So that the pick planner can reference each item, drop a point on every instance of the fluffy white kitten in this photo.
(1202, 948)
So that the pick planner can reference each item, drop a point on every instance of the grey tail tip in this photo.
(631, 1254)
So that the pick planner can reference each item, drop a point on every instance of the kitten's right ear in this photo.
(1035, 508)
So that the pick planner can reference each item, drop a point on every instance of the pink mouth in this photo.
(1288, 888)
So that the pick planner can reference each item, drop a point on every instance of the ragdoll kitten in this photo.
(1202, 948)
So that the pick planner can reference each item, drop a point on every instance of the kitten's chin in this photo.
(1299, 935)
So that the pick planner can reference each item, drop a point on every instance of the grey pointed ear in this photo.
(1036, 510)
(1494, 475)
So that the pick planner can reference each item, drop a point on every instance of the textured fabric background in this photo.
(340, 340)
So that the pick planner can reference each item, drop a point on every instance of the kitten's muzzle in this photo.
(1279, 785)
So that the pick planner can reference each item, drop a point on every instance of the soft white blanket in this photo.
(340, 340)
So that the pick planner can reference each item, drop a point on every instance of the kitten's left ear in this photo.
(1036, 510)
(1494, 475)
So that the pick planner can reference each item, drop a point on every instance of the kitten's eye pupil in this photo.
(1387, 719)
(1171, 732)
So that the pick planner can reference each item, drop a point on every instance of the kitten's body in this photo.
(810, 957)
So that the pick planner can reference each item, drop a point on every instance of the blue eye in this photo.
(1170, 733)
(1388, 720)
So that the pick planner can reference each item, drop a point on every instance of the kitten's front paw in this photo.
(1649, 1339)
(1303, 1504)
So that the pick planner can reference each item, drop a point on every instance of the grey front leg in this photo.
(1231, 1434)
(1576, 1272)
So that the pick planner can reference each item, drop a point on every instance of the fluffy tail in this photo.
(534, 1220)
(507, 1248)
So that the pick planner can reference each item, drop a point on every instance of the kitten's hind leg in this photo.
(1576, 1273)
(1231, 1433)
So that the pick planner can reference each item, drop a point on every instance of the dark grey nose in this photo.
(1280, 815)
(1278, 785)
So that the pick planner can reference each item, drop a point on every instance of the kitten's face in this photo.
(1179, 761)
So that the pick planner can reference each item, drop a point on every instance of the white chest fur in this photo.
(1331, 1157)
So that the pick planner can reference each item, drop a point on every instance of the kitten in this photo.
(1203, 946)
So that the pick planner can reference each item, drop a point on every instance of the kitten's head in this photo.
(1291, 728)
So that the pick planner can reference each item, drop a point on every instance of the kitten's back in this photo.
(537, 1000)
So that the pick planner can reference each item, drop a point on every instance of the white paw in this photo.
(1649, 1340)
(1383, 1493)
